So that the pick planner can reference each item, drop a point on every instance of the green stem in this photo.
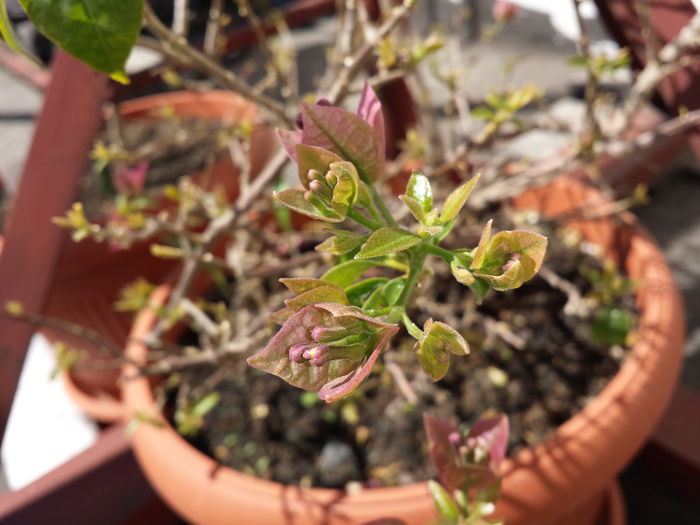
(417, 258)
(364, 221)
(382, 207)
(440, 252)
(411, 326)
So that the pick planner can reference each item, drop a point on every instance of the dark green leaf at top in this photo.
(101, 33)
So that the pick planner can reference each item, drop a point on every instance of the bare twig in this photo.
(181, 17)
(211, 36)
(183, 52)
(353, 64)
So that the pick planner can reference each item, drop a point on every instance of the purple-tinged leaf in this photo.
(491, 434)
(465, 463)
(289, 140)
(346, 135)
(370, 110)
(329, 348)
(130, 179)
(299, 285)
(322, 294)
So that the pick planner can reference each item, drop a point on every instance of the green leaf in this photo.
(346, 189)
(387, 240)
(611, 326)
(392, 290)
(344, 274)
(418, 188)
(455, 201)
(101, 33)
(206, 404)
(8, 32)
(439, 340)
(461, 273)
(482, 113)
(294, 200)
(341, 243)
(415, 208)
(443, 501)
(359, 292)
(480, 253)
(345, 134)
(480, 289)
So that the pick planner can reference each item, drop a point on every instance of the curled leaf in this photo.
(370, 110)
(434, 348)
(418, 188)
(326, 347)
(512, 258)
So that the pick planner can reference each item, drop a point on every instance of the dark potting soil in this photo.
(541, 371)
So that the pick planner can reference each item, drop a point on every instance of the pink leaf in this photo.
(491, 434)
(289, 141)
(326, 347)
(130, 179)
(344, 134)
(370, 110)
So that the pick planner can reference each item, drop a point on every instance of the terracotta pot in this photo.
(89, 275)
(561, 481)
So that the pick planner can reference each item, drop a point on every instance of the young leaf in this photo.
(359, 292)
(434, 348)
(370, 110)
(341, 243)
(294, 200)
(418, 189)
(482, 113)
(456, 200)
(322, 294)
(344, 134)
(299, 285)
(289, 141)
(8, 33)
(415, 208)
(316, 350)
(313, 158)
(387, 240)
(480, 288)
(480, 252)
(443, 502)
(512, 258)
(101, 33)
(344, 274)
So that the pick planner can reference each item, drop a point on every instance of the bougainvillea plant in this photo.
(468, 465)
(335, 327)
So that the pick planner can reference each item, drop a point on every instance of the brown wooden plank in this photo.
(58, 155)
